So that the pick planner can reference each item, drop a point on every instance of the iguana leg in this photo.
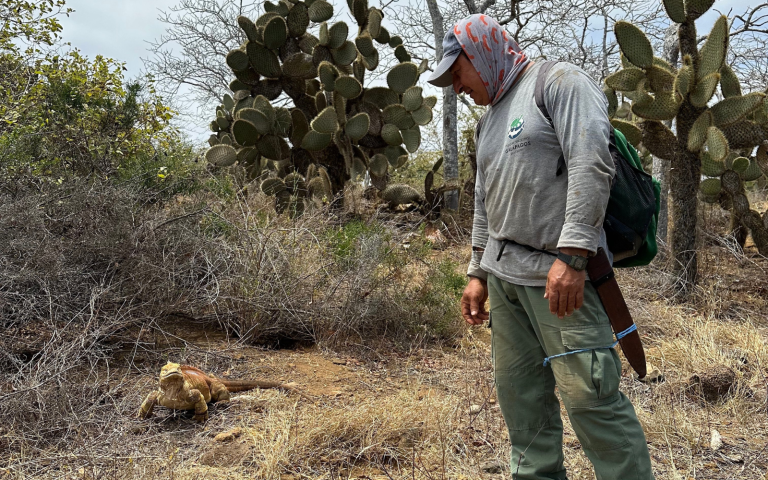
(146, 408)
(219, 392)
(201, 408)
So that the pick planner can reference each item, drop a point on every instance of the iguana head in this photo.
(171, 373)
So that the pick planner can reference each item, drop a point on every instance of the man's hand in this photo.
(565, 286)
(473, 301)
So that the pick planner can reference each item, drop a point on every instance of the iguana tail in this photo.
(241, 385)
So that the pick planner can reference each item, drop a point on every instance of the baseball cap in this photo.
(441, 77)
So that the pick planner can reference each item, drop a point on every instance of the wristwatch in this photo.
(576, 262)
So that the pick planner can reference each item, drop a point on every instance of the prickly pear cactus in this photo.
(337, 129)
(711, 139)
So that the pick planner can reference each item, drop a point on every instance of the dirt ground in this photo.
(430, 412)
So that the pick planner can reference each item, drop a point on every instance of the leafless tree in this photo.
(749, 44)
(188, 59)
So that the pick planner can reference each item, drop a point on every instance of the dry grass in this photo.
(397, 413)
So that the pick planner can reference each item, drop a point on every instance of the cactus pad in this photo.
(761, 156)
(698, 133)
(383, 36)
(393, 154)
(629, 129)
(275, 33)
(348, 87)
(236, 85)
(223, 123)
(684, 80)
(364, 44)
(263, 60)
(283, 122)
(328, 74)
(412, 98)
(710, 186)
(357, 126)
(675, 10)
(273, 186)
(709, 166)
(712, 54)
(704, 90)
(729, 83)
(337, 34)
(751, 173)
(659, 139)
(374, 22)
(295, 184)
(422, 115)
(412, 138)
(402, 54)
(659, 79)
(320, 11)
(245, 133)
(298, 20)
(402, 77)
(372, 61)
(238, 60)
(398, 116)
(696, 8)
(308, 42)
(345, 54)
(391, 134)
(625, 79)
(740, 165)
(221, 155)
(733, 109)
(273, 147)
(400, 194)
(379, 165)
(300, 65)
(717, 144)
(251, 32)
(380, 96)
(262, 104)
(634, 44)
(314, 141)
(326, 121)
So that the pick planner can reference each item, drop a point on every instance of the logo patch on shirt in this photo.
(516, 128)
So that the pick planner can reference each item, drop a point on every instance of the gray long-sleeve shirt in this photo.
(518, 195)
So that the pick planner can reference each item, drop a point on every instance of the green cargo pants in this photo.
(524, 332)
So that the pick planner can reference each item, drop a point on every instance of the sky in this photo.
(120, 29)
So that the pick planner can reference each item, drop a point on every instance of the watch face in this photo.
(580, 263)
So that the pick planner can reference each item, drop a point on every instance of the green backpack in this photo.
(632, 214)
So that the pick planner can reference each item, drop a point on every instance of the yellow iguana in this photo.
(188, 388)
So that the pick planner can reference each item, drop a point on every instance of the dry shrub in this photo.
(90, 272)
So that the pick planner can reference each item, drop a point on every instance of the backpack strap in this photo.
(541, 83)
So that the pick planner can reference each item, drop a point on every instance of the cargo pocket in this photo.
(591, 377)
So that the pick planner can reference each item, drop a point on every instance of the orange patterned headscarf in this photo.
(497, 58)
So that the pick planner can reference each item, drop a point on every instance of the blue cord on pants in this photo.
(619, 336)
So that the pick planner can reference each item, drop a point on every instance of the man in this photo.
(532, 222)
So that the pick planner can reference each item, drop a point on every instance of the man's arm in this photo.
(580, 117)
(476, 292)
(579, 112)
